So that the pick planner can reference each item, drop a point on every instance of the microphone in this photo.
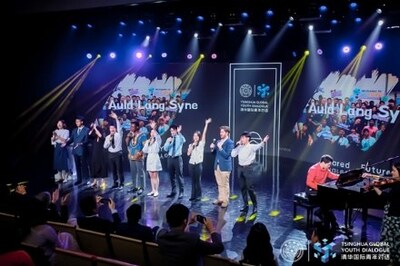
(214, 140)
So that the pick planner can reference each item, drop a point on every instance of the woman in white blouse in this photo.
(60, 157)
(153, 163)
(196, 153)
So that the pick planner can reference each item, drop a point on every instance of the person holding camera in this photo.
(178, 246)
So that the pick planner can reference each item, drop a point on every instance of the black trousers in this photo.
(175, 169)
(82, 167)
(326, 215)
(116, 166)
(245, 174)
(196, 171)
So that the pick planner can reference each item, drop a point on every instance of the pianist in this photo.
(318, 174)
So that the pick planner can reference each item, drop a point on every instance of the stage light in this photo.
(294, 54)
(147, 37)
(306, 52)
(141, 22)
(245, 15)
(323, 9)
(150, 56)
(189, 56)
(363, 47)
(249, 31)
(89, 56)
(353, 5)
(380, 22)
(319, 51)
(89, 26)
(139, 55)
(334, 22)
(122, 23)
(163, 32)
(164, 55)
(196, 35)
(158, 28)
(200, 18)
(201, 56)
(112, 55)
(378, 46)
(133, 34)
(358, 20)
(178, 19)
(379, 11)
(212, 30)
(290, 25)
(179, 31)
(98, 55)
(231, 28)
(268, 26)
(346, 49)
(310, 27)
(214, 56)
(74, 27)
(120, 35)
(291, 18)
(220, 24)
(270, 13)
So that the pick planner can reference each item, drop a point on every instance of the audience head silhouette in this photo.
(134, 213)
(258, 250)
(88, 205)
(177, 215)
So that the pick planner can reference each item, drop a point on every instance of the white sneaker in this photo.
(150, 193)
(155, 194)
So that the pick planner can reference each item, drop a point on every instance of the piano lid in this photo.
(350, 177)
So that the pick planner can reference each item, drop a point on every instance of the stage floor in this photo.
(234, 230)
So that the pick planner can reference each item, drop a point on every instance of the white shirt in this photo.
(247, 153)
(117, 140)
(197, 154)
(63, 133)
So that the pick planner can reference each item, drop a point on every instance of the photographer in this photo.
(180, 247)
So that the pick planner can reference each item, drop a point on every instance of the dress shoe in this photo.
(140, 191)
(217, 202)
(77, 183)
(155, 194)
(244, 209)
(180, 196)
(114, 186)
(171, 195)
(254, 209)
(192, 199)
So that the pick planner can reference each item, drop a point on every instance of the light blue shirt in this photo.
(174, 148)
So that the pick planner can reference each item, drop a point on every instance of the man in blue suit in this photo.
(79, 141)
(223, 165)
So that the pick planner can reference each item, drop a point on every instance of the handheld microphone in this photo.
(214, 140)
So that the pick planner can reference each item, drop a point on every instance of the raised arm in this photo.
(203, 136)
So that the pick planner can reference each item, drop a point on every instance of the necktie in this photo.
(173, 147)
(79, 131)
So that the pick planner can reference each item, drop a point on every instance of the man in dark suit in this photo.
(133, 228)
(79, 141)
(180, 247)
(223, 165)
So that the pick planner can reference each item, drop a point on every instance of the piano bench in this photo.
(301, 200)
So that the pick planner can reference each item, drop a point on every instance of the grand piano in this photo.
(348, 193)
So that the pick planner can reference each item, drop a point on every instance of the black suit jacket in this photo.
(186, 248)
(79, 141)
(136, 231)
(98, 224)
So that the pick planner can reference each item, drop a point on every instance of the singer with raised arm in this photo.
(246, 153)
(79, 140)
(113, 144)
(390, 231)
(173, 146)
(196, 153)
(317, 174)
(222, 165)
(153, 163)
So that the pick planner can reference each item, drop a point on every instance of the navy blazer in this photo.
(223, 157)
(79, 141)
